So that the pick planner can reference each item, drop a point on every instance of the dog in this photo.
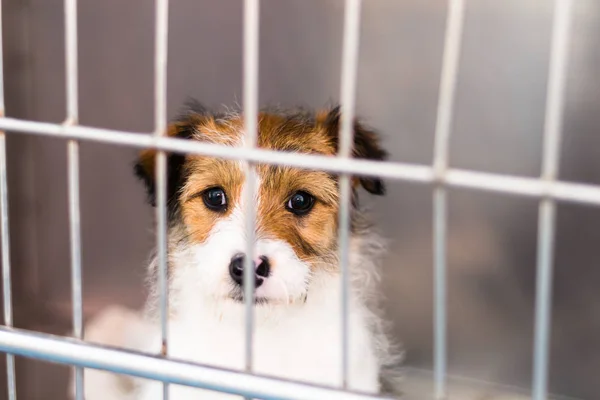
(297, 298)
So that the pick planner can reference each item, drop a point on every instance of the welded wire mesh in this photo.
(439, 175)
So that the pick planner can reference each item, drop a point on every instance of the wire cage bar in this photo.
(250, 73)
(347, 107)
(547, 208)
(71, 79)
(547, 190)
(74, 352)
(160, 127)
(443, 126)
(4, 231)
(454, 177)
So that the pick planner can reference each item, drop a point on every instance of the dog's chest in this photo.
(305, 348)
(284, 348)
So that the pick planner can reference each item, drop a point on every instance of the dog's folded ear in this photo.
(145, 165)
(145, 168)
(366, 146)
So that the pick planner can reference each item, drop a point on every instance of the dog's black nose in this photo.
(261, 271)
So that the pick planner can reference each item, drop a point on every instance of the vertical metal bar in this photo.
(2, 112)
(73, 179)
(450, 62)
(160, 126)
(6, 276)
(75, 236)
(4, 228)
(543, 305)
(440, 205)
(557, 77)
(71, 61)
(251, 41)
(347, 105)
(547, 210)
(343, 240)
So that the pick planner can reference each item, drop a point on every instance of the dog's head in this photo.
(296, 210)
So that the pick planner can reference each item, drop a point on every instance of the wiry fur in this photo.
(365, 249)
(297, 316)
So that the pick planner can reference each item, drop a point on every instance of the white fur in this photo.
(299, 341)
(202, 270)
(297, 332)
(297, 335)
(119, 327)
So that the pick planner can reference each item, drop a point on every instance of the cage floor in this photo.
(418, 385)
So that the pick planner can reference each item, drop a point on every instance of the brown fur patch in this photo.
(294, 135)
(313, 235)
(310, 235)
(205, 173)
(218, 131)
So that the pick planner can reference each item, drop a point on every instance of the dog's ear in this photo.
(366, 145)
(145, 167)
(183, 127)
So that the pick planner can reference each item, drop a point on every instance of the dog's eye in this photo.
(215, 199)
(300, 203)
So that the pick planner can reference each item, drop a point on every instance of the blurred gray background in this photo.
(497, 127)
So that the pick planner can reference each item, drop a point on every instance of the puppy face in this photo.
(296, 210)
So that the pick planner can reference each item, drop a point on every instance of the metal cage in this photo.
(439, 176)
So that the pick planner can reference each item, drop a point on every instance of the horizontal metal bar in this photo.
(528, 187)
(74, 352)
(144, 140)
(522, 186)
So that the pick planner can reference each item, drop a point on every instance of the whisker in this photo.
(283, 286)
